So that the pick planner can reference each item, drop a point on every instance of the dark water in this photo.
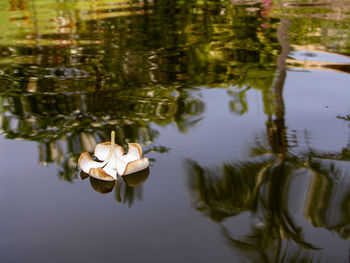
(241, 106)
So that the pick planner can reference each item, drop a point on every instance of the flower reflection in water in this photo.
(127, 190)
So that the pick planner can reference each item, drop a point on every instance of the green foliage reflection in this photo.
(70, 75)
(264, 187)
(72, 71)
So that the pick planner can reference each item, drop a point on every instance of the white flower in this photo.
(113, 160)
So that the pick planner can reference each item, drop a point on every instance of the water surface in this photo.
(241, 106)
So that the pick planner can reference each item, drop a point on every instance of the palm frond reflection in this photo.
(264, 187)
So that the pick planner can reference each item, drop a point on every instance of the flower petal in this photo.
(134, 153)
(102, 150)
(134, 147)
(136, 166)
(86, 163)
(121, 166)
(100, 174)
(111, 168)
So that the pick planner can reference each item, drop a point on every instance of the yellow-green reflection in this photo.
(68, 75)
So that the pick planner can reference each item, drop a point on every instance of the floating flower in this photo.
(113, 160)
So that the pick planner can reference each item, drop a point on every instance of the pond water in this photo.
(242, 108)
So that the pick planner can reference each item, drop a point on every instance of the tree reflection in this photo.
(67, 124)
(70, 75)
(73, 75)
(263, 187)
